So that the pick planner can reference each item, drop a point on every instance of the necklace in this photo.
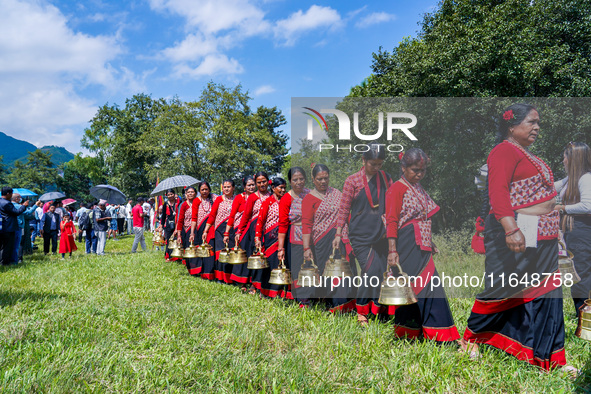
(368, 193)
(543, 169)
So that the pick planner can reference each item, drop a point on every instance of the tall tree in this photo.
(500, 48)
(117, 137)
(38, 174)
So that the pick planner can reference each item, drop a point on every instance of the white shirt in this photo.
(128, 209)
(584, 206)
(146, 207)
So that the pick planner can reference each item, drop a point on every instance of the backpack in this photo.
(83, 221)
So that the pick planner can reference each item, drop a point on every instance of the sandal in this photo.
(243, 289)
(252, 290)
(470, 348)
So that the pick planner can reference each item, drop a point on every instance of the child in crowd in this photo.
(67, 243)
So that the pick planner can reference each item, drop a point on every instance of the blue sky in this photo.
(61, 60)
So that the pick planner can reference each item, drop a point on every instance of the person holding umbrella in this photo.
(101, 225)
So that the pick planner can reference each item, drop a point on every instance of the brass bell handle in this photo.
(282, 264)
(399, 268)
(313, 265)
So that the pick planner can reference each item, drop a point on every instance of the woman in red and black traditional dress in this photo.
(266, 238)
(408, 225)
(363, 206)
(523, 317)
(183, 225)
(200, 213)
(168, 219)
(219, 219)
(320, 209)
(289, 243)
(249, 221)
(240, 273)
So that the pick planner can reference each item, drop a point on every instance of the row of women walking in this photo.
(377, 223)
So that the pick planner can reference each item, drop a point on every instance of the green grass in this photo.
(124, 322)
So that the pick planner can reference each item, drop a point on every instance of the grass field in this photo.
(133, 322)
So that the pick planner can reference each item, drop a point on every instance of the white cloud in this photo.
(290, 29)
(374, 19)
(43, 67)
(212, 16)
(265, 89)
(192, 48)
(211, 65)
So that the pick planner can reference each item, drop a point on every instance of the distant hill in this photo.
(14, 149)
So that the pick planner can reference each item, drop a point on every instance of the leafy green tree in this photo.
(215, 138)
(79, 175)
(117, 137)
(38, 174)
(478, 48)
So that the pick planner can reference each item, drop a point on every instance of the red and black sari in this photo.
(205, 265)
(184, 226)
(408, 219)
(363, 207)
(319, 219)
(525, 320)
(267, 229)
(240, 273)
(168, 223)
(247, 230)
(290, 224)
(218, 218)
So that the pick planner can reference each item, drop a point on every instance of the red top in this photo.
(284, 207)
(195, 209)
(507, 164)
(248, 211)
(138, 216)
(214, 210)
(309, 206)
(180, 219)
(263, 215)
(353, 185)
(237, 206)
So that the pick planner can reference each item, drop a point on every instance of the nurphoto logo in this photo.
(345, 129)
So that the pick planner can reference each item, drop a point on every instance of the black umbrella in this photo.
(52, 196)
(176, 182)
(109, 193)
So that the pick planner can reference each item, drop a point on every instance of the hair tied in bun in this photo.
(270, 181)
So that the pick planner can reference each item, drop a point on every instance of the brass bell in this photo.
(280, 275)
(172, 244)
(190, 252)
(224, 254)
(177, 251)
(584, 326)
(204, 251)
(337, 267)
(309, 276)
(566, 265)
(257, 261)
(395, 293)
(237, 256)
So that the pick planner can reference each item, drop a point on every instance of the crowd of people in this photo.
(381, 226)
(60, 226)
